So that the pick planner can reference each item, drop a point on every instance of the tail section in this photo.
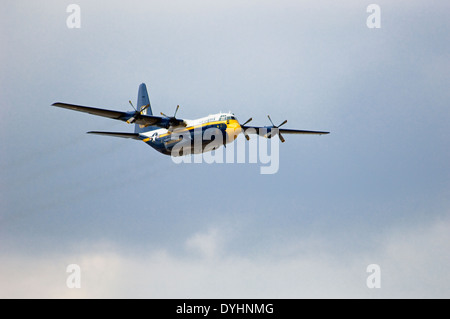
(142, 101)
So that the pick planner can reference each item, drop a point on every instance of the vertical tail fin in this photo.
(142, 101)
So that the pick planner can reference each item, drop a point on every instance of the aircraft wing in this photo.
(264, 130)
(134, 136)
(289, 131)
(117, 115)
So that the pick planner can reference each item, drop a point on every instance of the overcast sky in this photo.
(374, 191)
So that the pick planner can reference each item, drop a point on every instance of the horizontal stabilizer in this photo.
(134, 136)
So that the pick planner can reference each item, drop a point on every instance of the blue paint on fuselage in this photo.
(166, 143)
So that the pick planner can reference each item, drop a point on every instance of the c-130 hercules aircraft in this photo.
(158, 131)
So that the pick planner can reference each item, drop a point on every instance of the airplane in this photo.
(159, 131)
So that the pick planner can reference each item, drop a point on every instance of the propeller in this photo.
(273, 126)
(245, 134)
(173, 121)
(136, 113)
(173, 115)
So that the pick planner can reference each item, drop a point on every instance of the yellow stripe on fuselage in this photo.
(233, 128)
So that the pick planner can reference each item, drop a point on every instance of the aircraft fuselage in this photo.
(196, 136)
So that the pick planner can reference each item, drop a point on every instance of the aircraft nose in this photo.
(233, 130)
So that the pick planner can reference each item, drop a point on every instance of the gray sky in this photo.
(374, 191)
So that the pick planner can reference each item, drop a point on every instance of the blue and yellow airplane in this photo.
(158, 131)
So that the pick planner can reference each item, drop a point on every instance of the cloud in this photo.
(207, 244)
(309, 231)
(413, 264)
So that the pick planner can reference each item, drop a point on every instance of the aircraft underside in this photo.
(193, 141)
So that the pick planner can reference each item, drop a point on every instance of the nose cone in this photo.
(232, 131)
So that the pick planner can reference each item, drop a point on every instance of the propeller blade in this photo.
(247, 121)
(281, 137)
(176, 111)
(132, 105)
(164, 114)
(271, 121)
(246, 135)
(144, 108)
(282, 123)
